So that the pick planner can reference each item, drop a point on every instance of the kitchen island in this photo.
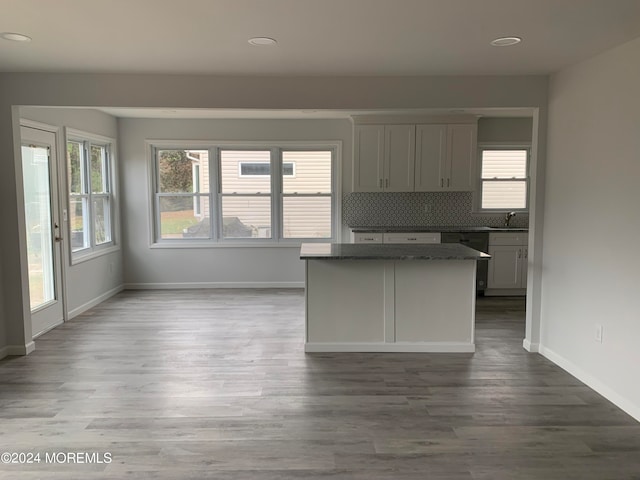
(390, 298)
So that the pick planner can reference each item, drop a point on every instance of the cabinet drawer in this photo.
(508, 238)
(422, 237)
(367, 238)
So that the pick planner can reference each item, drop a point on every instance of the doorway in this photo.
(43, 232)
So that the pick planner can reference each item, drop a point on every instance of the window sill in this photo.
(292, 244)
(81, 257)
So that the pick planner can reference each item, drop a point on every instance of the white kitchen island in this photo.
(390, 298)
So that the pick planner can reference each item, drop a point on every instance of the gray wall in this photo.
(91, 279)
(213, 265)
(200, 91)
(505, 130)
(590, 266)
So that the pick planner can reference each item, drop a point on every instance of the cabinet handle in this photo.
(380, 183)
(369, 238)
(519, 253)
(386, 183)
(412, 239)
(526, 253)
(448, 181)
(441, 182)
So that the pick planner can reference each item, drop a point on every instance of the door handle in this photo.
(57, 237)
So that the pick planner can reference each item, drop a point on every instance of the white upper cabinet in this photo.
(431, 154)
(445, 157)
(462, 141)
(399, 157)
(368, 141)
(384, 158)
(404, 157)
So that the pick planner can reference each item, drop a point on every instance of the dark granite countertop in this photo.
(359, 251)
(390, 229)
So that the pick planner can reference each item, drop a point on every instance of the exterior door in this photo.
(39, 174)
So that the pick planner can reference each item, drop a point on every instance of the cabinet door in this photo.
(431, 155)
(367, 237)
(505, 266)
(368, 158)
(460, 169)
(399, 157)
(524, 266)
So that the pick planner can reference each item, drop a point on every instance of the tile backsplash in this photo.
(408, 209)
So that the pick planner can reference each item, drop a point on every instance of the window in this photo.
(268, 194)
(504, 178)
(89, 171)
(182, 194)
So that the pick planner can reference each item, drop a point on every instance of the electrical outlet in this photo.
(428, 207)
(599, 333)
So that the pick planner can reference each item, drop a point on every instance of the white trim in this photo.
(49, 328)
(288, 243)
(21, 350)
(210, 285)
(530, 347)
(409, 347)
(92, 303)
(623, 403)
(24, 122)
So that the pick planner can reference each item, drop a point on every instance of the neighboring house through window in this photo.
(90, 185)
(504, 179)
(270, 194)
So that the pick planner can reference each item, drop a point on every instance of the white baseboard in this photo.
(530, 347)
(92, 303)
(623, 403)
(17, 350)
(188, 285)
(418, 347)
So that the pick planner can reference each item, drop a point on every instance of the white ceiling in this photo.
(315, 37)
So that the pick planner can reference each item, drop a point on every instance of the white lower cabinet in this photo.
(359, 237)
(394, 237)
(508, 264)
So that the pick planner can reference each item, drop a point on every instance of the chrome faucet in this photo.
(507, 218)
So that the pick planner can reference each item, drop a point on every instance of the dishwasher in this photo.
(478, 241)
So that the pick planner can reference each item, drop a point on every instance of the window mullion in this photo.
(276, 194)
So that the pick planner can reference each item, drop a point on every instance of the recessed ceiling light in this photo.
(262, 41)
(15, 37)
(505, 41)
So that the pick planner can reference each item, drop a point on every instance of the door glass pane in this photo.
(79, 221)
(179, 217)
(246, 216)
(306, 217)
(102, 220)
(37, 197)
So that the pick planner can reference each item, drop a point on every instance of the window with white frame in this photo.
(89, 175)
(504, 182)
(268, 194)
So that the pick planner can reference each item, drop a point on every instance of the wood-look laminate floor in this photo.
(215, 384)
